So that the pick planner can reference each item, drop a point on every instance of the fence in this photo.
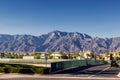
(56, 66)
(35, 62)
(32, 61)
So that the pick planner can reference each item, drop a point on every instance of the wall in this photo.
(58, 66)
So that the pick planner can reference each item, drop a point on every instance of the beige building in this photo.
(56, 55)
(28, 57)
(87, 54)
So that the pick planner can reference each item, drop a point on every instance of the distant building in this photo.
(28, 57)
(42, 56)
(86, 53)
(56, 55)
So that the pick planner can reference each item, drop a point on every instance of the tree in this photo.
(49, 55)
(118, 54)
(8, 55)
(82, 55)
(93, 55)
(37, 55)
(116, 58)
(76, 55)
(88, 55)
(26, 54)
(106, 54)
(15, 56)
(60, 52)
(70, 55)
(20, 56)
(0, 55)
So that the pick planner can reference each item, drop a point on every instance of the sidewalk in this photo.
(15, 75)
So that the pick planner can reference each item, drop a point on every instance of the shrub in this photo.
(2, 64)
(25, 66)
(1, 69)
(40, 70)
(7, 65)
(46, 70)
(15, 70)
(11, 70)
(7, 70)
(26, 71)
(21, 68)
(14, 65)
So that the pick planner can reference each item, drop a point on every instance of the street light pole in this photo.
(46, 58)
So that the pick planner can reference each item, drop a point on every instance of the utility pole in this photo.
(46, 58)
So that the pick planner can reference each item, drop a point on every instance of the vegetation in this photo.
(20, 68)
(67, 55)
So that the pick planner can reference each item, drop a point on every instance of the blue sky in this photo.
(35, 17)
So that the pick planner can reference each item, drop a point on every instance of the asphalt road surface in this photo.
(95, 71)
(103, 72)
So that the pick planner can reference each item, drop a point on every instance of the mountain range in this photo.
(57, 41)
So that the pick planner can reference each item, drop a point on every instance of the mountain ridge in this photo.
(57, 41)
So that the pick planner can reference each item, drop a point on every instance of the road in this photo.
(103, 72)
(99, 71)
(96, 71)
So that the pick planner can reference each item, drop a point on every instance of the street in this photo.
(95, 71)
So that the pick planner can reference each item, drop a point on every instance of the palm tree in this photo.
(88, 55)
(70, 55)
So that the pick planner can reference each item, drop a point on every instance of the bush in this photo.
(40, 70)
(21, 68)
(1, 69)
(2, 64)
(25, 66)
(26, 71)
(46, 70)
(7, 70)
(14, 65)
(15, 70)
(11, 70)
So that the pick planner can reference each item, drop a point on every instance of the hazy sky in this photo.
(95, 17)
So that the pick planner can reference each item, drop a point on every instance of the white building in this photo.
(28, 57)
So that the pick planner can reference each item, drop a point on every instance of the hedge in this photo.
(41, 70)
(1, 69)
(11, 70)
(20, 68)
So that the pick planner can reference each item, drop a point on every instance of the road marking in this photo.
(118, 75)
(99, 72)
